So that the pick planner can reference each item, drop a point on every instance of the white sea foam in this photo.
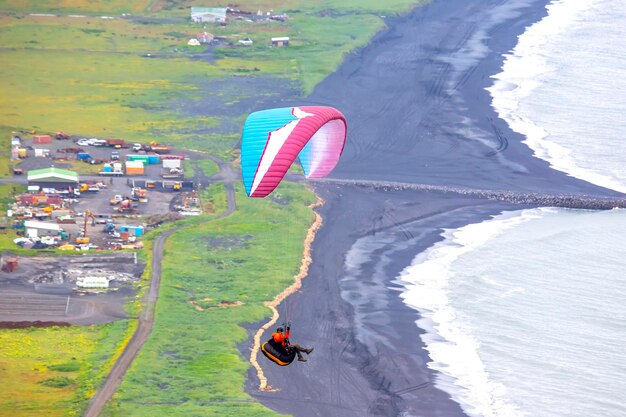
(451, 346)
(523, 313)
(562, 88)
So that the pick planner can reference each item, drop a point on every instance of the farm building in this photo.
(282, 41)
(208, 15)
(59, 179)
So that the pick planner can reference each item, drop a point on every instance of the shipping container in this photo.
(154, 159)
(42, 139)
(134, 168)
(142, 158)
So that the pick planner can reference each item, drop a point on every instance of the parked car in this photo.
(83, 142)
(137, 147)
(115, 156)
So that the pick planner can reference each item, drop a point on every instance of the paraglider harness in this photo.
(280, 353)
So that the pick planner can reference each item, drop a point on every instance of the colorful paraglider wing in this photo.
(273, 139)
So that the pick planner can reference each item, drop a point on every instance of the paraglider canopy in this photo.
(272, 140)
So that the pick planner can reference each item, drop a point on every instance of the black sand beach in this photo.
(418, 113)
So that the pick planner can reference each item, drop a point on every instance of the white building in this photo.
(280, 41)
(36, 229)
(208, 15)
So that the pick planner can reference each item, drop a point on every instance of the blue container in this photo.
(138, 231)
(107, 168)
(154, 159)
(83, 156)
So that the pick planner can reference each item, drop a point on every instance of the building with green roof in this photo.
(57, 178)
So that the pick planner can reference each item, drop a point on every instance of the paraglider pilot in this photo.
(282, 337)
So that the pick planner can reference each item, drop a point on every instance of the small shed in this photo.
(281, 41)
(208, 14)
(36, 229)
(60, 179)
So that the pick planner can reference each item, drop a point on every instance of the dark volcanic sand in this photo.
(418, 113)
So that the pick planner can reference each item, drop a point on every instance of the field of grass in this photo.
(191, 365)
(130, 79)
(54, 371)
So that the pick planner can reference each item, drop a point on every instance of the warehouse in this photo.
(56, 178)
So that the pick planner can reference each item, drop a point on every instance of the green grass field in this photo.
(54, 371)
(134, 77)
(191, 365)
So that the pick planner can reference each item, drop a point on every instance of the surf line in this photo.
(272, 305)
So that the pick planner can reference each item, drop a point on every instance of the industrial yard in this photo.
(88, 194)
(90, 203)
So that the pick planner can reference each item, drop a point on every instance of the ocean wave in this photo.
(525, 69)
(449, 342)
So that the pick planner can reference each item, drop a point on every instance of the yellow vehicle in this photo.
(83, 238)
(177, 186)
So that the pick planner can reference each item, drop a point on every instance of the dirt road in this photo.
(146, 319)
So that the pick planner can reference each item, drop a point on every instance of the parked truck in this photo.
(155, 147)
(117, 143)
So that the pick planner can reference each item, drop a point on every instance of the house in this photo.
(282, 41)
(193, 42)
(59, 179)
(205, 38)
(208, 15)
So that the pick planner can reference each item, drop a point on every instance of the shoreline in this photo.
(420, 114)
(282, 296)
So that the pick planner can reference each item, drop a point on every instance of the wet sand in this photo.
(418, 113)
